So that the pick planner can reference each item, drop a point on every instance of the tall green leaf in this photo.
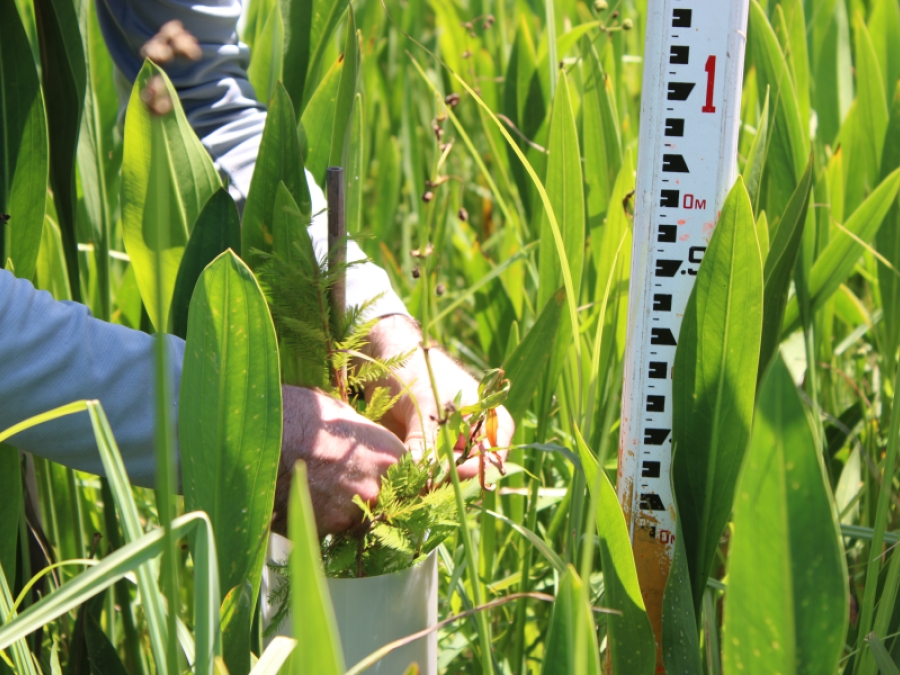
(24, 153)
(572, 641)
(887, 239)
(714, 382)
(237, 616)
(839, 258)
(862, 136)
(602, 139)
(564, 185)
(308, 26)
(318, 647)
(229, 423)
(279, 161)
(788, 147)
(11, 486)
(680, 640)
(756, 158)
(267, 57)
(64, 80)
(779, 266)
(317, 123)
(217, 229)
(884, 27)
(530, 357)
(346, 95)
(353, 161)
(189, 180)
(833, 81)
(786, 602)
(631, 643)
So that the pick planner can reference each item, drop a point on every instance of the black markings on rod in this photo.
(681, 18)
(679, 91)
(675, 164)
(662, 302)
(651, 502)
(650, 470)
(662, 336)
(679, 55)
(668, 234)
(658, 370)
(656, 403)
(655, 436)
(674, 126)
(669, 199)
(667, 268)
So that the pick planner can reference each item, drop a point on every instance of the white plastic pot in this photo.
(372, 612)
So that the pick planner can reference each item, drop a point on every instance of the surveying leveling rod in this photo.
(690, 114)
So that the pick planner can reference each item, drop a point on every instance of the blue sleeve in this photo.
(53, 353)
(221, 106)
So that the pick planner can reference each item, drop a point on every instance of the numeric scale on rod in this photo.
(687, 163)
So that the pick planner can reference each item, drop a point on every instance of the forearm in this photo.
(53, 353)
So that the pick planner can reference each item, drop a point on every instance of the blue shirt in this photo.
(53, 353)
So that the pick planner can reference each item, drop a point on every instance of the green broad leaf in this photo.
(571, 645)
(318, 647)
(346, 95)
(884, 27)
(887, 239)
(237, 616)
(279, 161)
(680, 640)
(167, 178)
(833, 92)
(528, 360)
(24, 152)
(289, 225)
(886, 665)
(99, 154)
(218, 228)
(837, 261)
(326, 16)
(779, 266)
(353, 161)
(602, 139)
(229, 417)
(756, 158)
(863, 134)
(611, 255)
(317, 123)
(103, 657)
(714, 382)
(267, 55)
(789, 145)
(797, 51)
(11, 486)
(64, 80)
(565, 188)
(631, 646)
(786, 602)
(524, 104)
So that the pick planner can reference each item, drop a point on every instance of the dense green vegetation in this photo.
(490, 152)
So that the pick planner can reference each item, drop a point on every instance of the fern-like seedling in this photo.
(321, 346)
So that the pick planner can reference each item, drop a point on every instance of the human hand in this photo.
(418, 428)
(345, 455)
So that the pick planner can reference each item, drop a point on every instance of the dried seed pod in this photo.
(156, 97)
(438, 131)
(601, 5)
(462, 214)
(614, 15)
(429, 249)
(416, 273)
(429, 184)
(440, 289)
(627, 24)
(428, 196)
(467, 25)
(452, 100)
(466, 54)
(472, 34)
(440, 119)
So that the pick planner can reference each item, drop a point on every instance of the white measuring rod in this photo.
(687, 162)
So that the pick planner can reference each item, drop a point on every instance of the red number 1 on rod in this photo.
(710, 84)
